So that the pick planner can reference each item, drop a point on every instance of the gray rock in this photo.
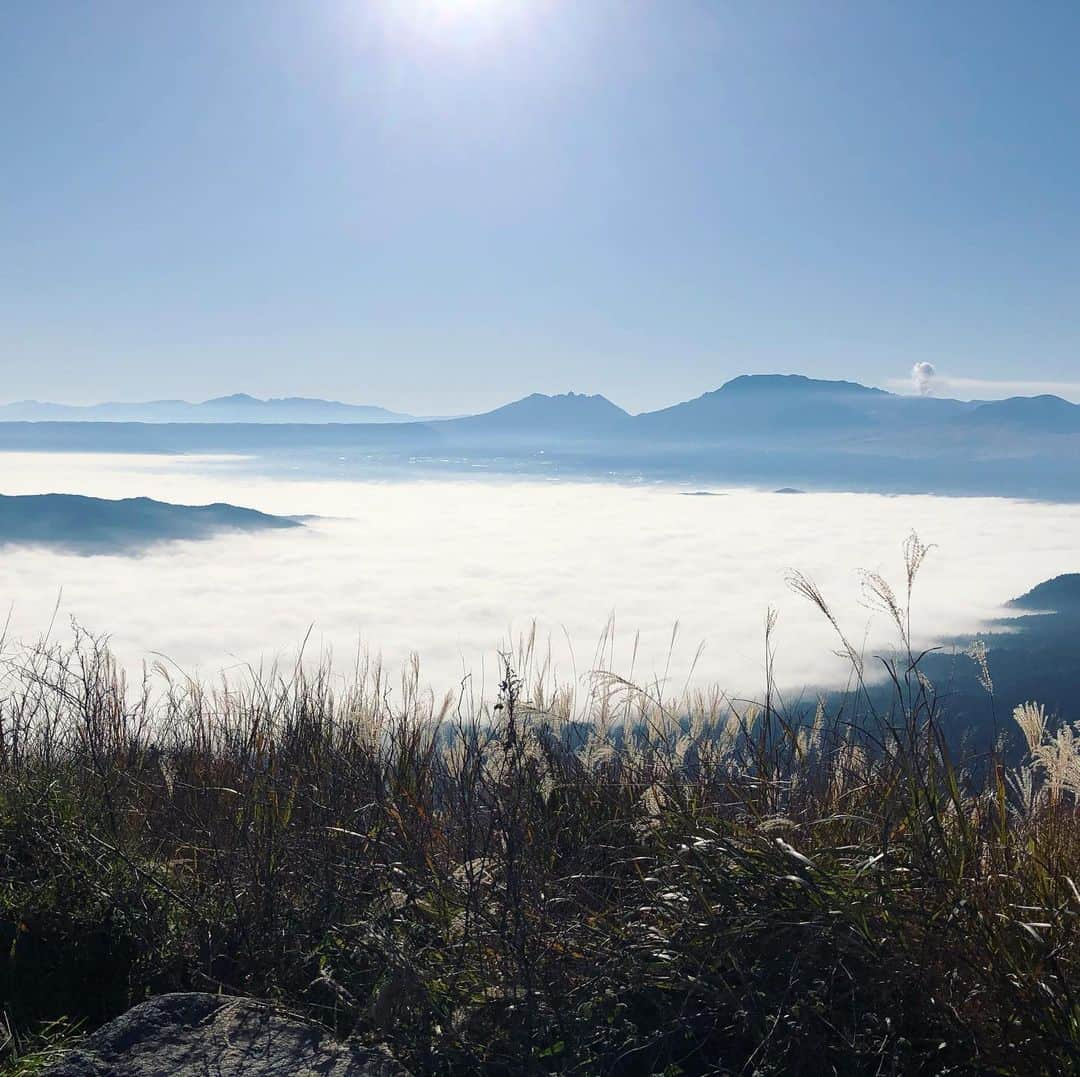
(185, 1035)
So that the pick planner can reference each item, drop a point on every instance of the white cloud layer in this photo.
(451, 569)
(943, 385)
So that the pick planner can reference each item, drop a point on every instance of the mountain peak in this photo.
(1051, 414)
(795, 383)
(235, 398)
(566, 412)
(568, 403)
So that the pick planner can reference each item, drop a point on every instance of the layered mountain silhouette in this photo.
(769, 430)
(80, 524)
(238, 408)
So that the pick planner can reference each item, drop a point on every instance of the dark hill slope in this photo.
(1030, 656)
(97, 525)
(1059, 595)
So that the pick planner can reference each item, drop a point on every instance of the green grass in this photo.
(558, 880)
(24, 1053)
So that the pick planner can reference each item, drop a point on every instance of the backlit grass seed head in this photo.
(1031, 718)
(1059, 758)
(978, 652)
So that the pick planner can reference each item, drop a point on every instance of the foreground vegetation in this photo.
(557, 881)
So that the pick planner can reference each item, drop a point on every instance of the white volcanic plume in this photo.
(922, 377)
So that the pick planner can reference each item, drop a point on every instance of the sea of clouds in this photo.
(456, 569)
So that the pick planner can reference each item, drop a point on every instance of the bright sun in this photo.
(456, 23)
(463, 9)
(464, 6)
(454, 26)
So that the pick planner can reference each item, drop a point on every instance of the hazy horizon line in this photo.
(944, 387)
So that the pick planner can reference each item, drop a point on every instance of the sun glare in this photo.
(463, 8)
(450, 21)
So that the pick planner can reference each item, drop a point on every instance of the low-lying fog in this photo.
(454, 569)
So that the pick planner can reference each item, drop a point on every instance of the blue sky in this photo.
(440, 205)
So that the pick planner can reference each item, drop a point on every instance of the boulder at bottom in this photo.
(194, 1035)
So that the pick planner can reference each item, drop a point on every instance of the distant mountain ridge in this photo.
(237, 408)
(783, 399)
(769, 430)
(1051, 414)
(98, 525)
(779, 405)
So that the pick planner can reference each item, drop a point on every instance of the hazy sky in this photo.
(439, 205)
